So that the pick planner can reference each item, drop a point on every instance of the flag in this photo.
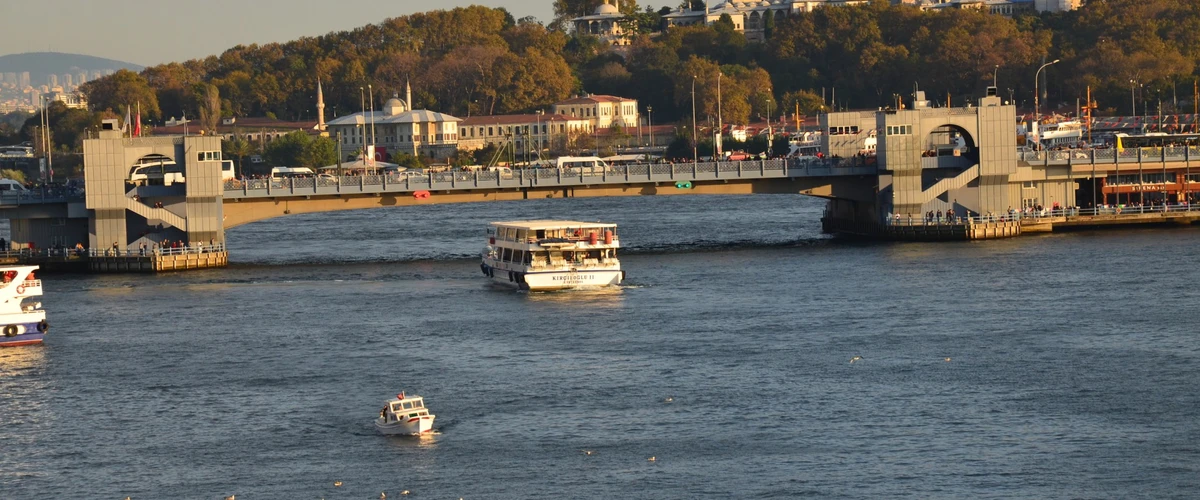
(137, 125)
(128, 121)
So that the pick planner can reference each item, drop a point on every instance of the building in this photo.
(1007, 8)
(399, 128)
(749, 16)
(72, 100)
(24, 80)
(531, 132)
(601, 111)
(607, 23)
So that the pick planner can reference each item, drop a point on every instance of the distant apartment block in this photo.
(72, 100)
(24, 80)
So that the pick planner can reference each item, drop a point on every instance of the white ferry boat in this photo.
(541, 255)
(22, 320)
(404, 416)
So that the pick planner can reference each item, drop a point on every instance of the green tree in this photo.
(239, 148)
(298, 149)
(121, 90)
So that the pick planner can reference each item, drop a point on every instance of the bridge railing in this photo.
(543, 177)
(40, 196)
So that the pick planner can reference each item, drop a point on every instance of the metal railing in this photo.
(1028, 215)
(544, 177)
(156, 250)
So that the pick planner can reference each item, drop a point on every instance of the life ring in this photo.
(421, 195)
(20, 289)
(10, 331)
(42, 326)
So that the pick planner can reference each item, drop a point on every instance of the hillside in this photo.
(39, 64)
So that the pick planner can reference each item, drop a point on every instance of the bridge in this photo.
(961, 161)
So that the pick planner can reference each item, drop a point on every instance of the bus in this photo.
(1155, 140)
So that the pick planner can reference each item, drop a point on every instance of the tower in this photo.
(408, 94)
(320, 108)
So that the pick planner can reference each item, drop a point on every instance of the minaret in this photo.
(320, 108)
(408, 94)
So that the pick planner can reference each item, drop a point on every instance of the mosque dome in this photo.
(394, 106)
(607, 9)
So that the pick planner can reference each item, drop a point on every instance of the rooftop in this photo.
(550, 224)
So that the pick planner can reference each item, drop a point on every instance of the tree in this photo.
(768, 24)
(122, 90)
(298, 149)
(237, 147)
(210, 108)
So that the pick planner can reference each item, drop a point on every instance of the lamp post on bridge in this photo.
(695, 148)
(1037, 112)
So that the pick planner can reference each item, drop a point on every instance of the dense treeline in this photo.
(479, 60)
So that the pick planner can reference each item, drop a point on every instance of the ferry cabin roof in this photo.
(407, 404)
(538, 225)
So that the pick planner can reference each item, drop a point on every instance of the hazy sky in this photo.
(149, 32)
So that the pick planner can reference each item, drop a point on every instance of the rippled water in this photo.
(1073, 369)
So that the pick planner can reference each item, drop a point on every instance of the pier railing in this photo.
(412, 182)
(139, 252)
(1029, 215)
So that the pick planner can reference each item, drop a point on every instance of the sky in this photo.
(149, 32)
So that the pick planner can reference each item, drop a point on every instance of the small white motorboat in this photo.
(404, 416)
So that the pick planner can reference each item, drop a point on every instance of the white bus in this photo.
(584, 164)
(156, 169)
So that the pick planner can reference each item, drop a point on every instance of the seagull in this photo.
(669, 399)
(337, 484)
(856, 358)
(947, 360)
(651, 459)
(588, 452)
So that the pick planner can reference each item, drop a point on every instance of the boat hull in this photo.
(26, 334)
(556, 280)
(411, 427)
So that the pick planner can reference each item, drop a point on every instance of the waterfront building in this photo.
(601, 111)
(607, 23)
(529, 132)
(399, 128)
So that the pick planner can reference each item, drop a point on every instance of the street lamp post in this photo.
(770, 131)
(1037, 110)
(538, 141)
(720, 124)
(695, 147)
(650, 123)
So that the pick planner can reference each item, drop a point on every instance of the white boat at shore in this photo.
(404, 416)
(542, 255)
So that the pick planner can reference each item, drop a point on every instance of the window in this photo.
(899, 130)
(843, 130)
(208, 156)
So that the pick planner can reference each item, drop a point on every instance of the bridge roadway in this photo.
(257, 199)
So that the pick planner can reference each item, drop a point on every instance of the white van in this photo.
(289, 172)
(9, 186)
(584, 164)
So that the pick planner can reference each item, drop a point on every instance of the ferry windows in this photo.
(506, 255)
(418, 404)
(843, 130)
(522, 234)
